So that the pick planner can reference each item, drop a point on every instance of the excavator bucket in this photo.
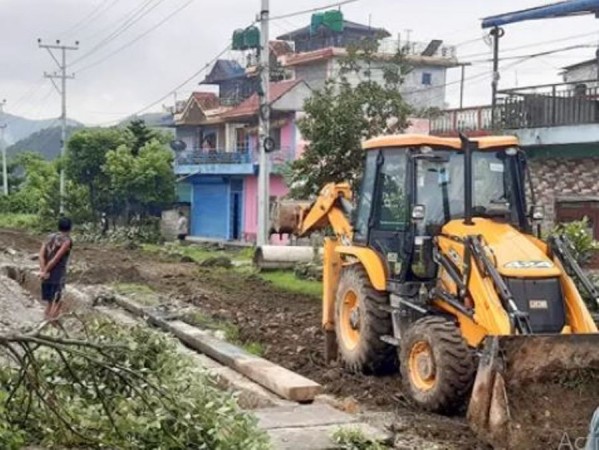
(535, 391)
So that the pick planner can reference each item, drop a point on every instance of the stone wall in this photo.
(563, 178)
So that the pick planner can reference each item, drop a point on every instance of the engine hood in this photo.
(516, 255)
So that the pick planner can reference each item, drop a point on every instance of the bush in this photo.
(146, 233)
(582, 242)
(147, 397)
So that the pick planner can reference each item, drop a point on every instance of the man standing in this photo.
(53, 259)
(182, 227)
(104, 224)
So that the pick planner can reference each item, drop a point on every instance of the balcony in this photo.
(533, 107)
(213, 162)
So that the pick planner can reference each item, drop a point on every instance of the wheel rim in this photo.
(350, 320)
(422, 366)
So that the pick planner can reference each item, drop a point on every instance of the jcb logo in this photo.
(537, 304)
(529, 265)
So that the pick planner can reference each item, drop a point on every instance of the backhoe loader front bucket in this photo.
(535, 391)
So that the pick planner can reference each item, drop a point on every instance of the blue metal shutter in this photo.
(210, 211)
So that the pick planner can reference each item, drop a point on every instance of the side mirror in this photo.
(418, 213)
(538, 213)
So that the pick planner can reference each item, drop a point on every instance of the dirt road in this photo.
(286, 325)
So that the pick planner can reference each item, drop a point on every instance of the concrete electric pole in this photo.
(3, 146)
(62, 90)
(263, 174)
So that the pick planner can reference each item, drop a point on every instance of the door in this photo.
(236, 216)
(210, 210)
(389, 215)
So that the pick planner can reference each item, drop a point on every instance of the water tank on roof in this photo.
(334, 20)
(252, 37)
(239, 40)
(317, 21)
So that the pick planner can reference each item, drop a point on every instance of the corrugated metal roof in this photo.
(224, 69)
(561, 9)
(379, 32)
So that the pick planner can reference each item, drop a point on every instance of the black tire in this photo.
(453, 365)
(370, 355)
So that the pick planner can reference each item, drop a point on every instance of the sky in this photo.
(120, 72)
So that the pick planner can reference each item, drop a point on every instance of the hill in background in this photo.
(45, 142)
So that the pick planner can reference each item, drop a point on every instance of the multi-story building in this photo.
(218, 169)
(558, 127)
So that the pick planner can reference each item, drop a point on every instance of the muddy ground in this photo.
(286, 325)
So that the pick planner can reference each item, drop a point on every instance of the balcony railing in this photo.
(203, 156)
(530, 107)
(390, 46)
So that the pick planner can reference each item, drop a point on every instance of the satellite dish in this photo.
(178, 145)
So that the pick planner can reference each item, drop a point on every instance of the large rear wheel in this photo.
(437, 366)
(360, 323)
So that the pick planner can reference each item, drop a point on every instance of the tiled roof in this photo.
(251, 105)
(280, 48)
(206, 100)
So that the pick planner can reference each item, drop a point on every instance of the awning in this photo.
(561, 9)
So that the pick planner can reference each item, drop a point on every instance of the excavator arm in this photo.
(331, 208)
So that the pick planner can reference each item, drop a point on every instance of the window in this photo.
(275, 134)
(365, 200)
(391, 202)
(242, 140)
(427, 78)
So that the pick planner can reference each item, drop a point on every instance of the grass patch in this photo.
(231, 332)
(140, 292)
(354, 439)
(286, 280)
(199, 253)
(19, 221)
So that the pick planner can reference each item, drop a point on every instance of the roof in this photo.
(280, 48)
(405, 140)
(206, 100)
(251, 105)
(561, 9)
(224, 69)
(353, 26)
(588, 62)
(297, 59)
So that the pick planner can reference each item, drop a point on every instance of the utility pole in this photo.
(462, 79)
(62, 90)
(496, 33)
(3, 145)
(263, 174)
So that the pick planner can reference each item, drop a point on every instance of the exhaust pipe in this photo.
(468, 146)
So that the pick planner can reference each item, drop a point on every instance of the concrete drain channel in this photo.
(287, 405)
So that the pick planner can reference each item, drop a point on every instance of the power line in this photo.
(536, 44)
(307, 11)
(139, 37)
(176, 88)
(95, 13)
(141, 12)
(535, 55)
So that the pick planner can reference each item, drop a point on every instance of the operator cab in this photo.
(413, 185)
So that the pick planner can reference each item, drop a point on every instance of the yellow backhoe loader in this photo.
(438, 268)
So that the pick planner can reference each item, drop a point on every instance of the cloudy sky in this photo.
(132, 54)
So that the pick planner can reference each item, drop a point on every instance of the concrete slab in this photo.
(318, 438)
(283, 382)
(318, 414)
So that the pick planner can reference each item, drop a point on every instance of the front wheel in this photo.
(437, 366)
(360, 322)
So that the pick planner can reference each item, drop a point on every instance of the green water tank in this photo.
(334, 20)
(252, 37)
(317, 21)
(238, 40)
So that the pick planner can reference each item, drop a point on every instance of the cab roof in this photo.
(412, 140)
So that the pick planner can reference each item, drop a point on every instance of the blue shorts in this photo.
(51, 292)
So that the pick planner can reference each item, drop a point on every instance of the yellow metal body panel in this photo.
(514, 254)
(372, 263)
(415, 140)
(324, 213)
(410, 140)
